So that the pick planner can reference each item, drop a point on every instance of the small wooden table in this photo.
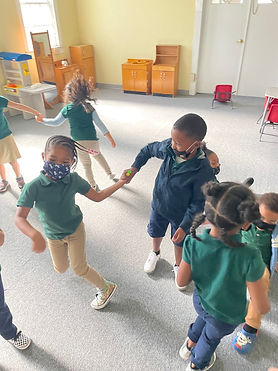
(33, 97)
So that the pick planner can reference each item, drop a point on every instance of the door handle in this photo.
(240, 41)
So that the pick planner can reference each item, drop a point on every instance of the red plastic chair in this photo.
(272, 101)
(272, 119)
(223, 93)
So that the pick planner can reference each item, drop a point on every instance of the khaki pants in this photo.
(73, 246)
(85, 159)
(253, 318)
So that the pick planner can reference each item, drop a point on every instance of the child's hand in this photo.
(2, 237)
(38, 245)
(39, 118)
(179, 235)
(128, 174)
(111, 140)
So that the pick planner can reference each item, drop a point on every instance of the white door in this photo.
(260, 61)
(222, 38)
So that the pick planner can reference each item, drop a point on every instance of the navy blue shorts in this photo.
(158, 225)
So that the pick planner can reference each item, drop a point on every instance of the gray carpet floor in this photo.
(146, 322)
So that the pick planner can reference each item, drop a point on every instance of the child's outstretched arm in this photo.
(22, 107)
(2, 237)
(103, 194)
(103, 128)
(155, 149)
(258, 295)
(56, 121)
(38, 242)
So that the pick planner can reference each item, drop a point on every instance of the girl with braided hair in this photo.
(82, 118)
(53, 194)
(221, 268)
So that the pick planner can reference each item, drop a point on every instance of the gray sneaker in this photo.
(20, 341)
(4, 185)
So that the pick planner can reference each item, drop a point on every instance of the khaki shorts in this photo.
(8, 150)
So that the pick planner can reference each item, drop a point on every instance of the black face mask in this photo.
(183, 154)
(265, 226)
(216, 170)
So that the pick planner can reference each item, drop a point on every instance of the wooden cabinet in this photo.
(136, 75)
(83, 56)
(63, 76)
(165, 70)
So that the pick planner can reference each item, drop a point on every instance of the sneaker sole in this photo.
(107, 301)
(4, 189)
(22, 348)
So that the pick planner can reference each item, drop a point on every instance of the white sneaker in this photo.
(20, 341)
(184, 351)
(175, 270)
(103, 296)
(211, 363)
(150, 264)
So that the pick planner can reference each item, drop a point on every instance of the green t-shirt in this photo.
(4, 127)
(220, 273)
(55, 202)
(260, 240)
(81, 125)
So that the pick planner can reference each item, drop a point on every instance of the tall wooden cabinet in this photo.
(83, 56)
(165, 70)
(137, 75)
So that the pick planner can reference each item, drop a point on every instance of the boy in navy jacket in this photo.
(177, 195)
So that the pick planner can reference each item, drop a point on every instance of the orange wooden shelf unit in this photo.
(137, 75)
(165, 70)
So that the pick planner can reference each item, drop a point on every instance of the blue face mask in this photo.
(216, 170)
(56, 171)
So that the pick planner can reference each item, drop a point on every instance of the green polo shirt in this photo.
(55, 202)
(4, 127)
(260, 240)
(81, 126)
(220, 273)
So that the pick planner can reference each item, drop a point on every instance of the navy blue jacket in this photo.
(177, 196)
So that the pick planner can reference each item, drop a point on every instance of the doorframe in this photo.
(198, 22)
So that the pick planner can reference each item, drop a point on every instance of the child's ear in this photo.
(43, 157)
(197, 144)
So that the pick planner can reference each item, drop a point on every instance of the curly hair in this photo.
(228, 205)
(79, 91)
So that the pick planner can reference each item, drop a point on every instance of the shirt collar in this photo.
(45, 181)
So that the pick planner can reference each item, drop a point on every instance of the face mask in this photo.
(216, 170)
(183, 154)
(57, 172)
(265, 226)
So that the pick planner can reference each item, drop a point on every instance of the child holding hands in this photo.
(82, 118)
(8, 150)
(53, 194)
